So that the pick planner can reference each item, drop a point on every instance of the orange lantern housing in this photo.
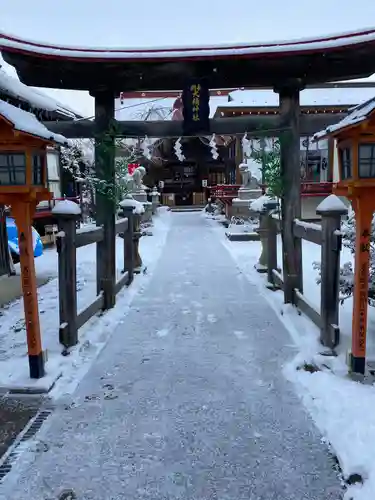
(23, 184)
(355, 139)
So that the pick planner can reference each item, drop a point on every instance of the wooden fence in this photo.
(328, 236)
(68, 240)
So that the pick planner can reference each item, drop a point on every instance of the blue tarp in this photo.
(13, 239)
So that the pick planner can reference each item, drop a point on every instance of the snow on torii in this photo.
(319, 59)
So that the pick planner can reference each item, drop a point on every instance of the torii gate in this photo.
(286, 66)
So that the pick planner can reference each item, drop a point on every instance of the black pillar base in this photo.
(358, 365)
(36, 364)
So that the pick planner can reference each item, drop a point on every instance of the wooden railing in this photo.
(68, 240)
(225, 192)
(311, 188)
(328, 237)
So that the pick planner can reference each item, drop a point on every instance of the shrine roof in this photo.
(27, 123)
(243, 100)
(314, 60)
(357, 115)
(309, 97)
(12, 87)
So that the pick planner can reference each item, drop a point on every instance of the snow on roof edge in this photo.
(359, 114)
(344, 97)
(26, 122)
(303, 45)
(15, 88)
(343, 34)
(63, 108)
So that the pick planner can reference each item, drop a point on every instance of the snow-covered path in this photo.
(187, 401)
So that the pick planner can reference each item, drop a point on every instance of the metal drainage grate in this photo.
(18, 446)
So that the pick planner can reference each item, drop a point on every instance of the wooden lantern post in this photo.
(355, 139)
(364, 205)
(23, 210)
(23, 205)
(23, 178)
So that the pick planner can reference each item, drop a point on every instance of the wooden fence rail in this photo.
(69, 239)
(328, 236)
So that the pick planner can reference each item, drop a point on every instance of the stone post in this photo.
(155, 197)
(127, 212)
(271, 250)
(267, 240)
(331, 209)
(261, 265)
(138, 210)
(137, 236)
(140, 195)
(67, 214)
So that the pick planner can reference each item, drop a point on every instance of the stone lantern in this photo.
(249, 191)
(155, 197)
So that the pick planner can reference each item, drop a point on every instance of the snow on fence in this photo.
(69, 239)
(329, 237)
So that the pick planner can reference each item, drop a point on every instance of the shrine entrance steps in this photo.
(187, 208)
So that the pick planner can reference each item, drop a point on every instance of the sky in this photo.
(154, 23)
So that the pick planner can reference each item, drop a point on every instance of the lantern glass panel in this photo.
(346, 163)
(366, 161)
(12, 169)
(38, 170)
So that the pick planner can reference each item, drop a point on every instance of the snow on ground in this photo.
(342, 409)
(92, 336)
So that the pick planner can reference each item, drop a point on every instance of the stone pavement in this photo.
(187, 401)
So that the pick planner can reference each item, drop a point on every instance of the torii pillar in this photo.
(291, 182)
(105, 196)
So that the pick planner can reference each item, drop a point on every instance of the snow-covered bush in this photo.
(81, 167)
(78, 161)
(347, 271)
(269, 159)
(74, 160)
